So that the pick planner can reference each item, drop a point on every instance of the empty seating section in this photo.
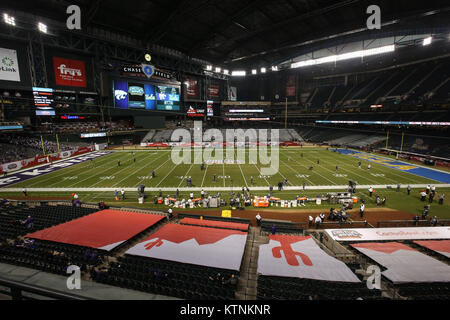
(416, 83)
(162, 136)
(169, 278)
(42, 255)
(50, 257)
(283, 288)
(44, 217)
(424, 291)
(149, 136)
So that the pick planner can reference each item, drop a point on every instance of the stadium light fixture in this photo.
(9, 20)
(238, 73)
(42, 27)
(427, 41)
(263, 70)
(345, 56)
(254, 71)
(218, 69)
(209, 67)
(274, 68)
(225, 71)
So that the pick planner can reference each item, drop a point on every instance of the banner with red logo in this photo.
(213, 91)
(211, 247)
(69, 72)
(191, 88)
(300, 257)
(290, 86)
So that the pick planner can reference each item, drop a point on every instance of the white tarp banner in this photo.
(211, 247)
(441, 246)
(380, 234)
(300, 257)
(9, 65)
(403, 263)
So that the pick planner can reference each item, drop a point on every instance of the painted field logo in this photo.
(258, 143)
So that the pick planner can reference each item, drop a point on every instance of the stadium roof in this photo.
(236, 33)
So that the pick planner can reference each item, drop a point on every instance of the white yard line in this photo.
(259, 174)
(373, 164)
(64, 171)
(139, 169)
(353, 172)
(223, 168)
(315, 172)
(185, 175)
(174, 167)
(204, 175)
(168, 158)
(295, 171)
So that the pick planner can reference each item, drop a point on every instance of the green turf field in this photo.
(90, 179)
(104, 172)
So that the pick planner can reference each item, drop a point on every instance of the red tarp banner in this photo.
(439, 246)
(217, 224)
(104, 230)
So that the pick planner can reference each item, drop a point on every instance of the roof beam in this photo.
(225, 23)
(181, 10)
(307, 15)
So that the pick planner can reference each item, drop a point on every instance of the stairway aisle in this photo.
(248, 279)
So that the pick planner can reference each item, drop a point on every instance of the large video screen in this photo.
(43, 101)
(167, 98)
(138, 95)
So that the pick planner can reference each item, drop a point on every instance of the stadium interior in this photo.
(98, 102)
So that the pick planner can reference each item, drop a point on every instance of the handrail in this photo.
(17, 288)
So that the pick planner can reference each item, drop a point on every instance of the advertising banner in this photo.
(213, 91)
(31, 162)
(191, 88)
(380, 234)
(9, 65)
(69, 72)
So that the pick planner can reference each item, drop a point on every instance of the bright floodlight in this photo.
(9, 20)
(427, 41)
(218, 69)
(238, 73)
(225, 71)
(254, 71)
(263, 70)
(345, 56)
(274, 68)
(209, 67)
(42, 27)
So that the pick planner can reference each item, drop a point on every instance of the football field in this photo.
(317, 168)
